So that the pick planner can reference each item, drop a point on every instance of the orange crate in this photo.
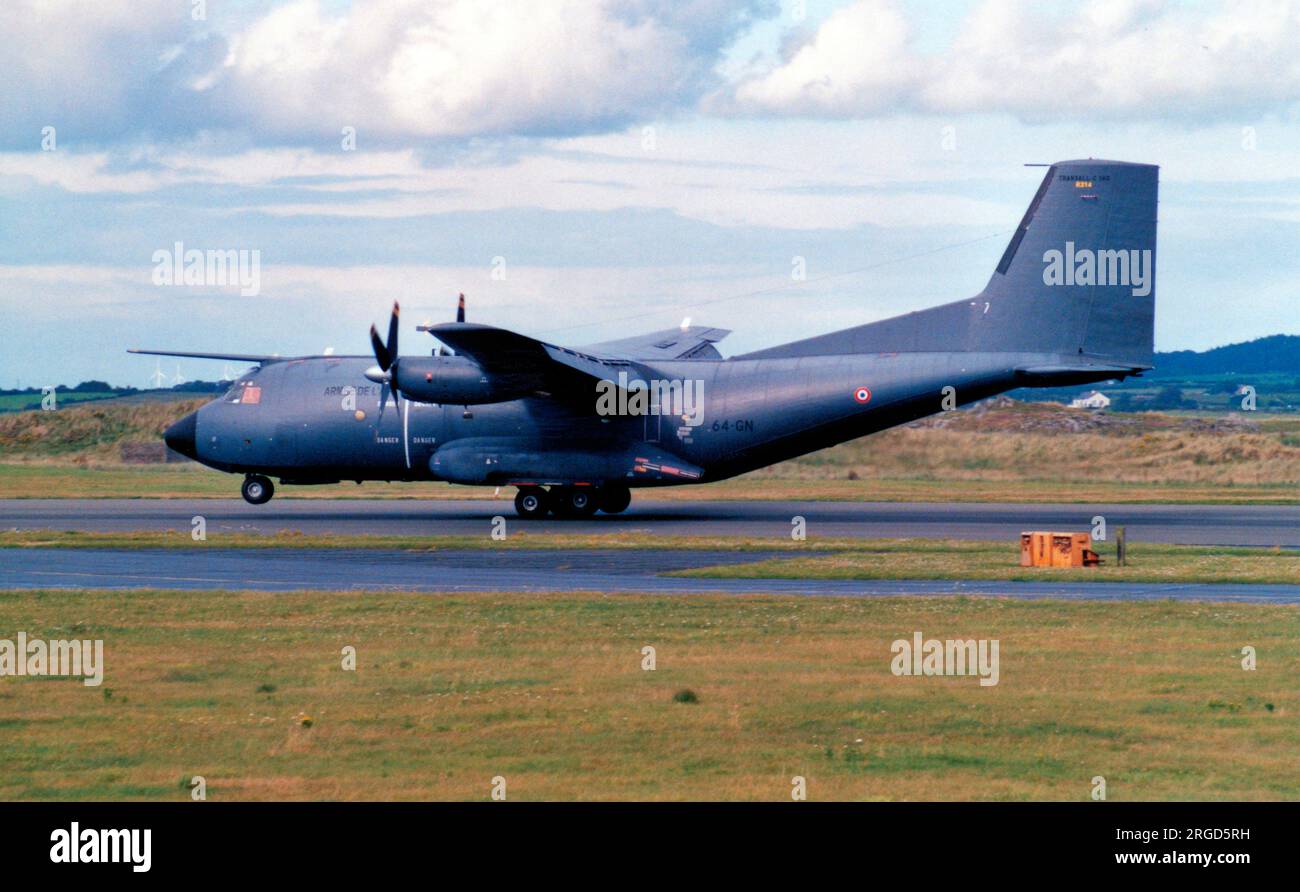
(1054, 549)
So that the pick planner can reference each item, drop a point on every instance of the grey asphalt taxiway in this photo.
(604, 570)
(521, 570)
(1251, 525)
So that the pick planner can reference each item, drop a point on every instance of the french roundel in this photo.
(862, 395)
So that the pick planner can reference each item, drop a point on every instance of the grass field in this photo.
(960, 559)
(188, 481)
(827, 558)
(548, 692)
(14, 402)
(87, 433)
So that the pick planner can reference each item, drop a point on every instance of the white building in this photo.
(1093, 399)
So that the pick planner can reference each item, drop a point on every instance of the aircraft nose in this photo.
(180, 436)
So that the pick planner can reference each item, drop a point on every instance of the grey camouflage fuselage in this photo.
(757, 409)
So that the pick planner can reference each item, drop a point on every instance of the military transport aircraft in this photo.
(575, 429)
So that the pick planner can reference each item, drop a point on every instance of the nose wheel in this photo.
(257, 490)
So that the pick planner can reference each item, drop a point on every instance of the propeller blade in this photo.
(406, 431)
(385, 392)
(386, 356)
(460, 309)
(392, 333)
(382, 356)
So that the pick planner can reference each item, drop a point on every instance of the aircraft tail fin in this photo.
(1076, 280)
(1080, 271)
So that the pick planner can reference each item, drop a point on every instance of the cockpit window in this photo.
(245, 390)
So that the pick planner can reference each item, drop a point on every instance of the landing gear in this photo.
(575, 501)
(615, 499)
(532, 502)
(257, 490)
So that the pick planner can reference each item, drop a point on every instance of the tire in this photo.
(576, 501)
(615, 499)
(257, 490)
(531, 503)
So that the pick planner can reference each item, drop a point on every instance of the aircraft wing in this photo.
(510, 355)
(565, 372)
(692, 342)
(233, 357)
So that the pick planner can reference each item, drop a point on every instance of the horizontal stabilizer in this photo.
(1069, 374)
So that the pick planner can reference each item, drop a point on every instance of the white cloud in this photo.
(459, 68)
(1110, 59)
(1124, 58)
(84, 68)
(447, 72)
(857, 63)
(394, 69)
(723, 176)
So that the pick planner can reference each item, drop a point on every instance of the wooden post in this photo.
(1121, 550)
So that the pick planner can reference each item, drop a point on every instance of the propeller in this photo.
(385, 372)
(386, 357)
(460, 317)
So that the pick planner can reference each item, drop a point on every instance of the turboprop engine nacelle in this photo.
(456, 380)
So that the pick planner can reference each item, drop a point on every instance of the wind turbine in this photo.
(158, 376)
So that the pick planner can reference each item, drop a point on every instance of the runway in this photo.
(1249, 525)
(604, 570)
(607, 570)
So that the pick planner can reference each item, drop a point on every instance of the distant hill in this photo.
(1206, 381)
(30, 398)
(1274, 354)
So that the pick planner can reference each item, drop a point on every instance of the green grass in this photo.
(246, 689)
(190, 481)
(827, 558)
(17, 402)
(961, 559)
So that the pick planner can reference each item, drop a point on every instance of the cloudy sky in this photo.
(585, 169)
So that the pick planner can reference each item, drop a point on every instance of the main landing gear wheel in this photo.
(531, 502)
(575, 501)
(257, 490)
(615, 499)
